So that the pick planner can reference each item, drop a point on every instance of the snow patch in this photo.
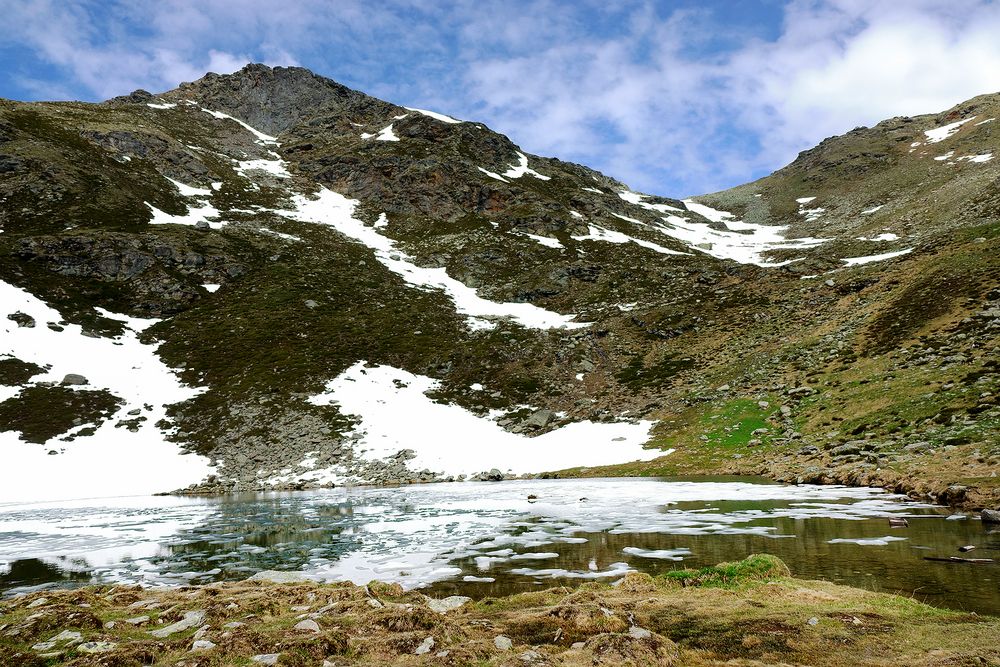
(492, 174)
(873, 209)
(939, 134)
(888, 236)
(435, 115)
(611, 236)
(211, 287)
(521, 168)
(858, 261)
(164, 105)
(113, 461)
(395, 414)
(544, 240)
(262, 139)
(194, 215)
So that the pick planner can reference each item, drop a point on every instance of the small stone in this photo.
(74, 379)
(311, 304)
(813, 621)
(109, 625)
(96, 647)
(266, 658)
(233, 624)
(202, 645)
(990, 516)
(724, 387)
(639, 633)
(577, 645)
(375, 604)
(530, 656)
(307, 625)
(425, 646)
(191, 619)
(503, 643)
(138, 620)
(447, 604)
(37, 603)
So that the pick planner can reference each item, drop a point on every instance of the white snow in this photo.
(386, 134)
(888, 236)
(600, 192)
(189, 190)
(113, 461)
(164, 105)
(638, 199)
(280, 235)
(982, 157)
(337, 211)
(382, 221)
(274, 167)
(521, 168)
(435, 115)
(805, 200)
(492, 174)
(544, 240)
(941, 133)
(211, 287)
(395, 413)
(262, 139)
(941, 158)
(575, 214)
(873, 209)
(601, 234)
(136, 324)
(857, 261)
(988, 120)
(194, 215)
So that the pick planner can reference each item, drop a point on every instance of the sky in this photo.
(674, 98)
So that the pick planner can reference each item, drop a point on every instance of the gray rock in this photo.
(444, 605)
(96, 647)
(425, 646)
(846, 449)
(37, 603)
(138, 620)
(639, 633)
(74, 379)
(192, 619)
(202, 645)
(307, 625)
(280, 577)
(990, 516)
(503, 643)
(540, 418)
(311, 304)
(266, 658)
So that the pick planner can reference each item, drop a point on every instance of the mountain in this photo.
(268, 280)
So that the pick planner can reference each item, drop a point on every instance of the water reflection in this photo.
(491, 539)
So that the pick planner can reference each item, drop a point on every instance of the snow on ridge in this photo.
(435, 115)
(395, 413)
(337, 211)
(164, 105)
(262, 139)
(386, 134)
(939, 134)
(858, 261)
(112, 461)
(492, 174)
(520, 169)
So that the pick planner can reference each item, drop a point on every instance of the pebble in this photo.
(503, 643)
(37, 603)
(307, 625)
(447, 604)
(639, 633)
(266, 658)
(425, 646)
(191, 619)
(202, 645)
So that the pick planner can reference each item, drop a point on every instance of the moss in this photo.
(41, 413)
(753, 569)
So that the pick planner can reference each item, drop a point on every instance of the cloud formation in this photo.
(674, 98)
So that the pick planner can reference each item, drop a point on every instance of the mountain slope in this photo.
(312, 287)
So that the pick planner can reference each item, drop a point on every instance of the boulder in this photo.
(990, 516)
(74, 379)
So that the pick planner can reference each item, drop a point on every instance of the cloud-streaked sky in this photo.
(673, 97)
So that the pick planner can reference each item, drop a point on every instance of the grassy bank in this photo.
(747, 613)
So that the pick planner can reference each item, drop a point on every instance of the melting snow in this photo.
(395, 414)
(493, 175)
(857, 261)
(194, 215)
(188, 190)
(211, 287)
(873, 209)
(274, 167)
(945, 131)
(433, 114)
(983, 157)
(287, 237)
(888, 236)
(262, 139)
(165, 105)
(385, 134)
(805, 200)
(113, 461)
(520, 169)
(544, 240)
(988, 120)
(593, 190)
(611, 236)
(941, 158)
(575, 214)
(337, 211)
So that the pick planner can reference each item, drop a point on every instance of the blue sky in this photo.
(674, 98)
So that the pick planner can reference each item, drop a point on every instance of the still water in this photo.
(486, 538)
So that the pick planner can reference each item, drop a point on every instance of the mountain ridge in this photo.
(135, 205)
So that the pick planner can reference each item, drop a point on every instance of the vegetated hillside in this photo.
(835, 320)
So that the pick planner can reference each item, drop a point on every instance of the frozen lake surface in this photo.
(495, 538)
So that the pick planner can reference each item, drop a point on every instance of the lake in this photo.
(495, 538)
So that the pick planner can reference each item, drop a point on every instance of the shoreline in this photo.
(750, 610)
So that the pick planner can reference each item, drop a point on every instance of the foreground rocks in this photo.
(750, 612)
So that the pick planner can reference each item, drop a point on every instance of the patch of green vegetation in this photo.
(14, 372)
(40, 413)
(733, 426)
(753, 569)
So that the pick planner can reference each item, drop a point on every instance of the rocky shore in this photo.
(751, 612)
